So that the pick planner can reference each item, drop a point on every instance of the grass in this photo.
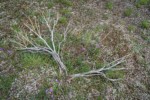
(3, 43)
(105, 16)
(87, 37)
(109, 5)
(81, 66)
(58, 90)
(63, 20)
(115, 74)
(50, 5)
(79, 54)
(143, 2)
(131, 28)
(81, 47)
(30, 60)
(67, 3)
(128, 12)
(42, 94)
(5, 85)
(139, 3)
(145, 24)
(146, 35)
(136, 47)
(65, 12)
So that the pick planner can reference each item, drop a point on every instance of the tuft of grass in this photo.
(5, 85)
(4, 42)
(145, 24)
(131, 28)
(63, 20)
(136, 47)
(109, 5)
(139, 3)
(82, 67)
(115, 74)
(146, 35)
(42, 93)
(128, 12)
(99, 98)
(65, 2)
(144, 2)
(50, 5)
(65, 12)
(30, 60)
(87, 37)
(77, 65)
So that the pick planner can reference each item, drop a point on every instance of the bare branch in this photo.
(40, 37)
(52, 29)
(64, 37)
(37, 49)
(102, 70)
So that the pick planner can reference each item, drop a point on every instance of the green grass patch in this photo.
(42, 94)
(81, 47)
(109, 5)
(50, 4)
(145, 24)
(77, 65)
(131, 28)
(87, 37)
(128, 12)
(115, 74)
(139, 3)
(5, 85)
(81, 67)
(146, 35)
(65, 12)
(31, 60)
(63, 20)
(67, 3)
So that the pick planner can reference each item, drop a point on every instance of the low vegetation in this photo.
(145, 24)
(74, 50)
(109, 5)
(139, 3)
(128, 12)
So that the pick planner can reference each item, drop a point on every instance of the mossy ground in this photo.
(101, 32)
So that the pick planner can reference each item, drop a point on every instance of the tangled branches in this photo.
(29, 44)
(53, 48)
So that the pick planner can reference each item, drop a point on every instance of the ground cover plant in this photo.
(74, 50)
